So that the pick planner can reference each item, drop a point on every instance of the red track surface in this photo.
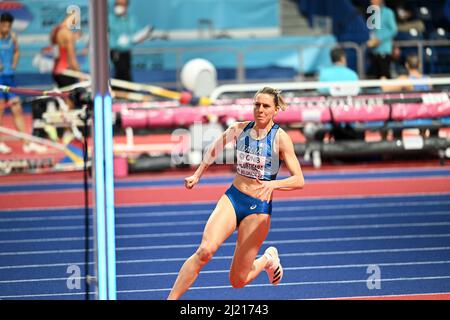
(148, 195)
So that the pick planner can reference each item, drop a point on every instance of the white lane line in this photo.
(229, 286)
(281, 209)
(301, 201)
(45, 295)
(233, 243)
(417, 295)
(302, 254)
(293, 284)
(45, 265)
(275, 219)
(209, 202)
(373, 251)
(39, 280)
(344, 266)
(181, 234)
(274, 230)
(296, 241)
(40, 240)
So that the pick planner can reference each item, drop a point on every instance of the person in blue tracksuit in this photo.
(9, 57)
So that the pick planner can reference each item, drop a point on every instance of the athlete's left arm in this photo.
(295, 181)
(16, 53)
(287, 154)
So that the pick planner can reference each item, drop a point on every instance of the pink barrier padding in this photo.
(118, 107)
(241, 113)
(235, 112)
(228, 112)
(188, 115)
(291, 115)
(134, 118)
(313, 113)
(350, 113)
(300, 109)
(404, 111)
(161, 118)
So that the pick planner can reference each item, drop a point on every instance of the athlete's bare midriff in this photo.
(246, 185)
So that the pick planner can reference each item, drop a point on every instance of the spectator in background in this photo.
(412, 65)
(380, 42)
(397, 62)
(338, 72)
(65, 40)
(407, 20)
(9, 57)
(122, 33)
(64, 37)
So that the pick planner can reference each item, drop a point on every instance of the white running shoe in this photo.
(4, 148)
(274, 269)
(34, 147)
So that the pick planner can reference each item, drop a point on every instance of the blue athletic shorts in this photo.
(7, 80)
(245, 205)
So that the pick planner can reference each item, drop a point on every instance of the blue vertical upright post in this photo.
(103, 171)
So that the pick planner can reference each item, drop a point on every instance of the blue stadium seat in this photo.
(348, 23)
(439, 34)
(412, 34)
(438, 56)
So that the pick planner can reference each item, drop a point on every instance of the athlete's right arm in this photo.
(213, 150)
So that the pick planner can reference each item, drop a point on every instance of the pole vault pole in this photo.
(103, 173)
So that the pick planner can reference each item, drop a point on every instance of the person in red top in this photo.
(65, 38)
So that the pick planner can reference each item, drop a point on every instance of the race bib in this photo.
(250, 165)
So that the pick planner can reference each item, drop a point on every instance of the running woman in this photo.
(261, 145)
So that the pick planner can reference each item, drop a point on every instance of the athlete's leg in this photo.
(221, 224)
(3, 147)
(17, 111)
(2, 110)
(252, 232)
(19, 121)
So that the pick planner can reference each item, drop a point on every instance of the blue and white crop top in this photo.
(257, 158)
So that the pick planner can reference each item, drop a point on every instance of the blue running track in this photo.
(326, 248)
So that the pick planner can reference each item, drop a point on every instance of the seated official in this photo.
(338, 72)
